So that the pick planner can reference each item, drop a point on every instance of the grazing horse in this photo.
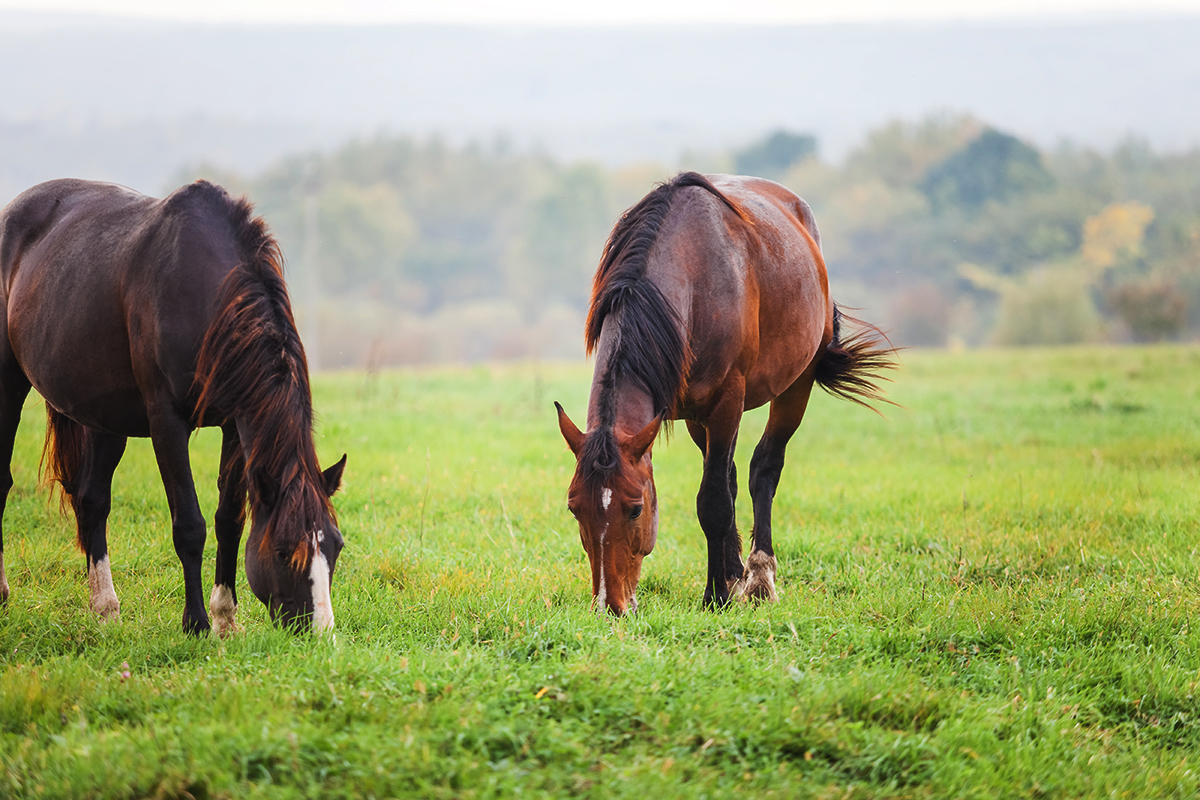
(711, 298)
(133, 316)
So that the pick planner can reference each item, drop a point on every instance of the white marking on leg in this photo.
(606, 497)
(223, 611)
(3, 580)
(318, 574)
(759, 583)
(104, 596)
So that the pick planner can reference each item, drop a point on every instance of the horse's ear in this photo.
(571, 433)
(642, 440)
(333, 476)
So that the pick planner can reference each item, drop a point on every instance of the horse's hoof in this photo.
(107, 609)
(759, 580)
(106, 606)
(715, 600)
(225, 627)
(196, 627)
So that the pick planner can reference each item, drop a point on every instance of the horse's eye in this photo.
(574, 513)
(635, 512)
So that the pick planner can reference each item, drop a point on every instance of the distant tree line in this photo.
(945, 230)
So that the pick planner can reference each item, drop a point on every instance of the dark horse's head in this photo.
(293, 547)
(613, 498)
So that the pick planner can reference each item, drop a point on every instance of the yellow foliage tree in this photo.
(1117, 231)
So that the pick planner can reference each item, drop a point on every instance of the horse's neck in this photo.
(616, 402)
(248, 435)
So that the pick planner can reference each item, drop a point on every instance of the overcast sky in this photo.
(612, 12)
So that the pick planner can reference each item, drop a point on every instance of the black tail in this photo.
(62, 458)
(853, 367)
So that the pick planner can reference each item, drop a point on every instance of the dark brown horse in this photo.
(133, 316)
(711, 298)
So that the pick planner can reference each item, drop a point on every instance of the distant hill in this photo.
(134, 101)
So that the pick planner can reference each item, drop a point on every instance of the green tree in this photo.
(564, 233)
(993, 167)
(772, 156)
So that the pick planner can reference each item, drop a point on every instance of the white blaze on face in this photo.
(104, 596)
(223, 610)
(602, 594)
(318, 574)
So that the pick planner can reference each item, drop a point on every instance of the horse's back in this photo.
(757, 295)
(108, 293)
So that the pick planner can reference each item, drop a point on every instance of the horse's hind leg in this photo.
(92, 501)
(787, 411)
(228, 522)
(14, 387)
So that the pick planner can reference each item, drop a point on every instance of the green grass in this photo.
(988, 594)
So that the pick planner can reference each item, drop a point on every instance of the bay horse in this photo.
(133, 316)
(711, 298)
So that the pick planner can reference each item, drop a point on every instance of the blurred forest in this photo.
(945, 231)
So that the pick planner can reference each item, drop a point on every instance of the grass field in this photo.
(988, 594)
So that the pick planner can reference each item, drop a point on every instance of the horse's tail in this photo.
(852, 367)
(62, 457)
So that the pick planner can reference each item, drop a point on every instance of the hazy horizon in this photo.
(240, 96)
(610, 13)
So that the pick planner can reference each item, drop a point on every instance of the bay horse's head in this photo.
(613, 498)
(293, 547)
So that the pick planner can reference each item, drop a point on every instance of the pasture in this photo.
(987, 594)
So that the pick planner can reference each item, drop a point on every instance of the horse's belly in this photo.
(120, 412)
(91, 398)
(79, 363)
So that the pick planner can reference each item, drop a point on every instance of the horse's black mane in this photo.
(650, 346)
(252, 365)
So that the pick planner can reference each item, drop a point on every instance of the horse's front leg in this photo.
(169, 433)
(715, 500)
(228, 523)
(787, 411)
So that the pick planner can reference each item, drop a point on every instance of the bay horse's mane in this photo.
(252, 366)
(650, 347)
